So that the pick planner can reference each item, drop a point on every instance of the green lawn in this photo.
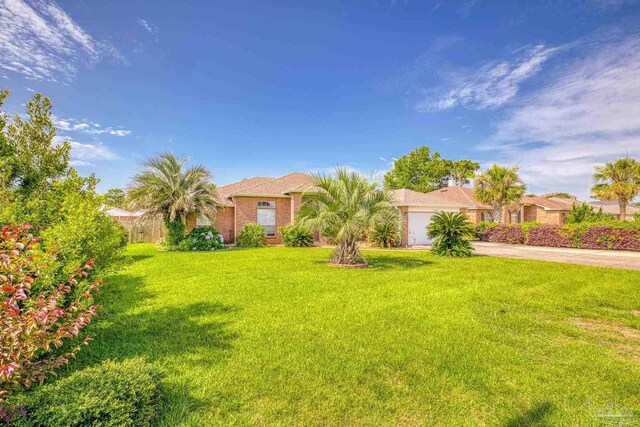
(274, 336)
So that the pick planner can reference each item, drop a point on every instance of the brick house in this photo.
(548, 210)
(270, 202)
(274, 202)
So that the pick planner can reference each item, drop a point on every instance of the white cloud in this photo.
(466, 7)
(39, 40)
(586, 115)
(147, 26)
(85, 154)
(91, 128)
(493, 84)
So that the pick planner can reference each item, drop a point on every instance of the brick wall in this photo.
(547, 217)
(476, 215)
(224, 224)
(247, 212)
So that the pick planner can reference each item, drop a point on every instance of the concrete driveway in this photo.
(615, 259)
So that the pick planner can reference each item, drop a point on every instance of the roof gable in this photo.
(461, 195)
(275, 187)
(406, 197)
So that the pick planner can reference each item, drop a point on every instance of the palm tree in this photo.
(451, 232)
(165, 189)
(498, 186)
(343, 206)
(619, 180)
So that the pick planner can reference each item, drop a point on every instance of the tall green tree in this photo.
(498, 186)
(343, 206)
(31, 156)
(115, 198)
(421, 170)
(166, 189)
(38, 187)
(462, 171)
(619, 181)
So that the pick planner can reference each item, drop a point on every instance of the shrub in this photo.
(482, 227)
(37, 318)
(451, 233)
(111, 394)
(636, 216)
(585, 213)
(616, 235)
(387, 232)
(201, 239)
(252, 236)
(548, 235)
(296, 236)
(511, 234)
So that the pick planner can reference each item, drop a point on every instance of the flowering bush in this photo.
(37, 318)
(201, 239)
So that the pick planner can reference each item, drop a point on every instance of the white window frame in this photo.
(268, 210)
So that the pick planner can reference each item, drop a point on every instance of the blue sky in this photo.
(265, 88)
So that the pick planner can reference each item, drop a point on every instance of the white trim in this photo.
(264, 196)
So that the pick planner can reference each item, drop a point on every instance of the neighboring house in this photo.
(612, 207)
(274, 202)
(417, 209)
(138, 231)
(553, 210)
(270, 202)
(122, 215)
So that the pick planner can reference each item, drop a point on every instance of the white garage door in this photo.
(418, 222)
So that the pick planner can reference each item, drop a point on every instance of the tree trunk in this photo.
(497, 213)
(347, 253)
(623, 210)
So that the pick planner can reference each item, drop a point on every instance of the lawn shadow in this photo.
(383, 262)
(132, 323)
(534, 416)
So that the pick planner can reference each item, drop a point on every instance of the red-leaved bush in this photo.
(36, 325)
(510, 234)
(548, 235)
(586, 236)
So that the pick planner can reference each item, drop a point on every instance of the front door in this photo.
(418, 222)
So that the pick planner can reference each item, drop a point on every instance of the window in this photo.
(202, 221)
(267, 217)
(486, 216)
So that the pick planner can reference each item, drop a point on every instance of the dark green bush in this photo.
(296, 236)
(201, 239)
(387, 233)
(252, 236)
(451, 233)
(111, 394)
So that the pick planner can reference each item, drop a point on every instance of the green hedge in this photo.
(252, 236)
(108, 395)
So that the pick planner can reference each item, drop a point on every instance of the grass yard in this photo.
(274, 336)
